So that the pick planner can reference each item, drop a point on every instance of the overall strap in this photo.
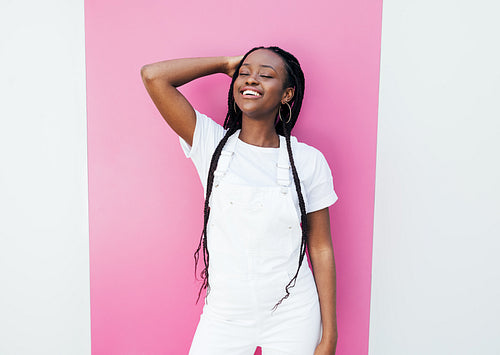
(283, 171)
(225, 157)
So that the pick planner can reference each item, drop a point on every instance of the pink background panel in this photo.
(145, 198)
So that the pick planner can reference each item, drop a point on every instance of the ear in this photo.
(287, 95)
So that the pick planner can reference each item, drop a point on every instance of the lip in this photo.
(253, 89)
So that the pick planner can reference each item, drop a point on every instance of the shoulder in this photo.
(310, 162)
(305, 153)
(207, 134)
(315, 174)
(206, 123)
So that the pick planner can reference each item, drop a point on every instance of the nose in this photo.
(251, 79)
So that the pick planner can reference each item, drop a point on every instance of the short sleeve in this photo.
(206, 137)
(319, 183)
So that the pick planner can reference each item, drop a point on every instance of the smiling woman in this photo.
(266, 202)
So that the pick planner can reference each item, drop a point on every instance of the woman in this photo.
(266, 200)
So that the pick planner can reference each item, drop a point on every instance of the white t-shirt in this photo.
(256, 166)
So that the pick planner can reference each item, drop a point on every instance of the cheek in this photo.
(276, 91)
(235, 93)
(236, 85)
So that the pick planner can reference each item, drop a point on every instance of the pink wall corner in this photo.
(145, 197)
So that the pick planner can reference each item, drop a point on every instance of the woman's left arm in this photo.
(323, 264)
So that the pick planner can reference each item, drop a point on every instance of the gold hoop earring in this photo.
(234, 106)
(289, 110)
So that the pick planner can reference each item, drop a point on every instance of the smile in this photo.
(251, 93)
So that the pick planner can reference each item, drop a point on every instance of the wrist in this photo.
(329, 338)
(226, 65)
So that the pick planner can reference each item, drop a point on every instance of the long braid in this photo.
(202, 245)
(233, 122)
(297, 81)
(303, 216)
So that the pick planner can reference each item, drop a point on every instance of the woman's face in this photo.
(259, 88)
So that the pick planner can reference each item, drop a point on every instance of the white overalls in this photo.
(254, 238)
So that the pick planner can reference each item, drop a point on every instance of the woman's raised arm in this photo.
(162, 78)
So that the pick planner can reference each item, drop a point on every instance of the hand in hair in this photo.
(232, 63)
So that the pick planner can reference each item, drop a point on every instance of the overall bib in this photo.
(254, 238)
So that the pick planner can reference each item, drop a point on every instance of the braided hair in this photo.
(232, 122)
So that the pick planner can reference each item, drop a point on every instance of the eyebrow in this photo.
(262, 65)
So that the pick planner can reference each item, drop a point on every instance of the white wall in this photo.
(436, 264)
(44, 266)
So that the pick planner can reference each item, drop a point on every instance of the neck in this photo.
(259, 132)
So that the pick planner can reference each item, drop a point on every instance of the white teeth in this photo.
(251, 92)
